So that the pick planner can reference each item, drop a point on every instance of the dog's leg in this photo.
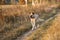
(33, 26)
(33, 23)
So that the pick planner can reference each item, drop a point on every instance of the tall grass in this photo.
(16, 20)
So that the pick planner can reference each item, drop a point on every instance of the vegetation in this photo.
(22, 2)
(14, 21)
(48, 31)
(40, 32)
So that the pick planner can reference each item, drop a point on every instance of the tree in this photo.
(0, 2)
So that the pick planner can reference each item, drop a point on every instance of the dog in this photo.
(34, 18)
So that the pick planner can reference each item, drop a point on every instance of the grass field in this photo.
(15, 21)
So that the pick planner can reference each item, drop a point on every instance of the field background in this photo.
(15, 22)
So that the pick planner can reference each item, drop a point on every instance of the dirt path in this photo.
(30, 32)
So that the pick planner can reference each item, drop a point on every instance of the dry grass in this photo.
(10, 32)
(50, 33)
(40, 32)
(53, 33)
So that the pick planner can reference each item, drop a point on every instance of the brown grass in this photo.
(52, 33)
(10, 32)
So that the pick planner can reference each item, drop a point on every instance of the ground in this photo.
(16, 23)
